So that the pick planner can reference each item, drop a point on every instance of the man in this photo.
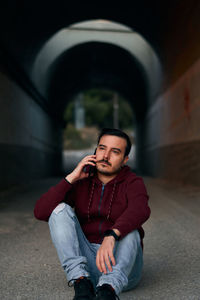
(99, 242)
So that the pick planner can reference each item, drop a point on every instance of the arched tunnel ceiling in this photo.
(97, 66)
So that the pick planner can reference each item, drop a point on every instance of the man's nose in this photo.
(106, 155)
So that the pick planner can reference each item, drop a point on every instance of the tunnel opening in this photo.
(96, 65)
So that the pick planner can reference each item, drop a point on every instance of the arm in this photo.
(137, 211)
(132, 218)
(49, 200)
(56, 194)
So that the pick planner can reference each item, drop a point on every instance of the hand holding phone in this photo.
(86, 167)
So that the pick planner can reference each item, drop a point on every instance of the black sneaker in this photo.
(83, 289)
(106, 292)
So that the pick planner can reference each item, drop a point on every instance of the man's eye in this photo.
(116, 152)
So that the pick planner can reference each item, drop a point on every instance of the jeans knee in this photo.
(62, 210)
(133, 237)
(60, 219)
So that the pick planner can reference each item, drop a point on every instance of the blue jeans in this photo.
(78, 256)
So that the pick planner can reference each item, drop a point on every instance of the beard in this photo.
(105, 172)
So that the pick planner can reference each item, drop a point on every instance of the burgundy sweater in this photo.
(121, 204)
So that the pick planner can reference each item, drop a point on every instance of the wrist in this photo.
(117, 232)
(110, 237)
(70, 178)
(111, 232)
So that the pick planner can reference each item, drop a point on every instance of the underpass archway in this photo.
(103, 54)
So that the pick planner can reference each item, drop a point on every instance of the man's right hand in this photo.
(78, 172)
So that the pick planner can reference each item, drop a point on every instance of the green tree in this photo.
(98, 105)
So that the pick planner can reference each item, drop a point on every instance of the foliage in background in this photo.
(99, 110)
(98, 106)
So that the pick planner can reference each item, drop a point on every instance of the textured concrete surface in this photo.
(30, 142)
(29, 268)
(173, 128)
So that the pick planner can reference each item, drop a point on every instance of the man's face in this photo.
(110, 154)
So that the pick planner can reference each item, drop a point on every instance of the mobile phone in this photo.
(90, 169)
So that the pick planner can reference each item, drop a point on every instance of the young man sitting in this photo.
(95, 220)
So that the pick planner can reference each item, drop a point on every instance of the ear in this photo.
(126, 158)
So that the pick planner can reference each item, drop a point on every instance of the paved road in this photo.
(29, 268)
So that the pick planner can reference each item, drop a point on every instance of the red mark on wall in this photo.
(187, 107)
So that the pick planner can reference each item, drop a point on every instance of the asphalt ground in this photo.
(29, 267)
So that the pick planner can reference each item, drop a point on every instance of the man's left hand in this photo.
(105, 255)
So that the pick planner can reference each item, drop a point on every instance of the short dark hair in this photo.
(119, 133)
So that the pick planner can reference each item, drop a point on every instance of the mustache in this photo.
(104, 161)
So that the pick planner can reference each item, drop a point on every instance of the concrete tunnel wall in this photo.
(174, 130)
(30, 143)
(173, 127)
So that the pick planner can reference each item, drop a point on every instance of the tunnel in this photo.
(91, 54)
(44, 65)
